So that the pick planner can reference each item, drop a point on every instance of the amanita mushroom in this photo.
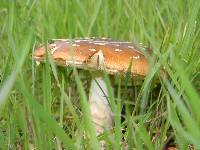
(114, 57)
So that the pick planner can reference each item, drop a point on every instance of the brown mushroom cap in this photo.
(84, 53)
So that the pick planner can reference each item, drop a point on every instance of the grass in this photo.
(45, 106)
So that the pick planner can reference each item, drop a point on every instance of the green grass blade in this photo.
(44, 116)
(86, 113)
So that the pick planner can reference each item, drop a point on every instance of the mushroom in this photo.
(114, 57)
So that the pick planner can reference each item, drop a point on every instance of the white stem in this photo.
(100, 110)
